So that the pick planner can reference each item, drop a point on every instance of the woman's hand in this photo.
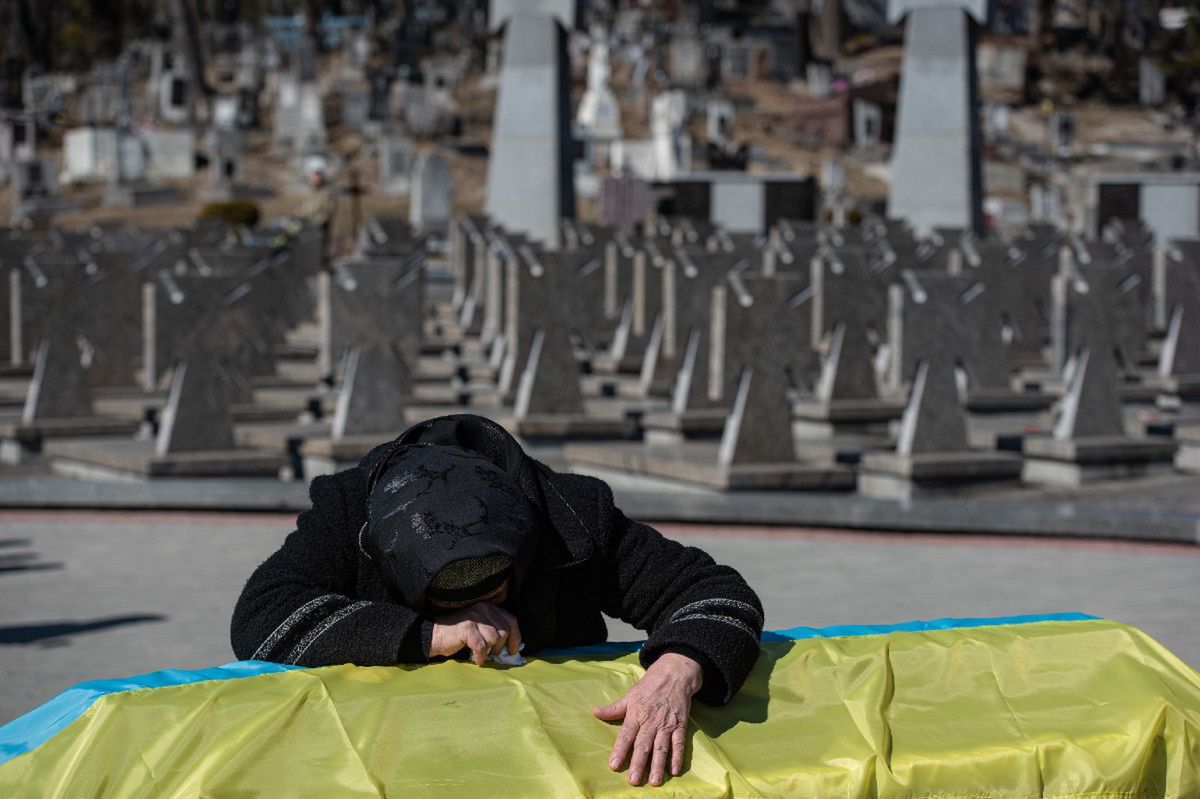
(655, 711)
(484, 628)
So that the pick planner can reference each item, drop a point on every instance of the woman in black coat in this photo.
(451, 539)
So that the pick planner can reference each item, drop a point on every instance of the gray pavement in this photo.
(1159, 508)
(86, 595)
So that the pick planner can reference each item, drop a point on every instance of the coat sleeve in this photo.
(299, 606)
(685, 601)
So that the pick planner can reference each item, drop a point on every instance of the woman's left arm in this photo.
(686, 602)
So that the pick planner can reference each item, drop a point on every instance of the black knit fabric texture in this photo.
(321, 599)
(431, 507)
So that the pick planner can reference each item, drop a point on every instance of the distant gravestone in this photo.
(1090, 406)
(549, 381)
(819, 78)
(170, 154)
(131, 158)
(936, 164)
(566, 12)
(174, 98)
(933, 420)
(196, 417)
(624, 201)
(432, 193)
(1062, 134)
(286, 115)
(89, 154)
(868, 124)
(688, 64)
(225, 111)
(17, 141)
(395, 164)
(225, 163)
(356, 106)
(599, 115)
(376, 387)
(718, 121)
(1180, 355)
(310, 123)
(1152, 84)
(530, 182)
(59, 388)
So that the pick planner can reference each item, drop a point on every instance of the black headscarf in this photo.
(431, 505)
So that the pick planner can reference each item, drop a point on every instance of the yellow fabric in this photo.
(1053, 709)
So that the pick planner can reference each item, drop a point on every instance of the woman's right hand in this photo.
(485, 628)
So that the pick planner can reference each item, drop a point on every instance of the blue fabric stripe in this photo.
(798, 633)
(843, 631)
(40, 724)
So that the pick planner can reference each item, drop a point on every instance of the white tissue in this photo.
(505, 659)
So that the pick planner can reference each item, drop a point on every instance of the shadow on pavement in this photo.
(25, 562)
(11, 562)
(59, 633)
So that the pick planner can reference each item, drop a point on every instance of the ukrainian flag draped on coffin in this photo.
(1057, 706)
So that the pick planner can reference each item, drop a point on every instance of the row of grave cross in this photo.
(693, 330)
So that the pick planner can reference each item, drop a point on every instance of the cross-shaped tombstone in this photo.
(197, 415)
(932, 453)
(735, 335)
(549, 315)
(759, 426)
(1177, 301)
(849, 301)
(849, 284)
(380, 299)
(689, 278)
(1019, 289)
(1095, 300)
(376, 387)
(587, 295)
(1089, 439)
(540, 296)
(432, 192)
(501, 252)
(933, 419)
(110, 320)
(59, 387)
(172, 307)
(934, 317)
(1175, 278)
(468, 263)
(758, 429)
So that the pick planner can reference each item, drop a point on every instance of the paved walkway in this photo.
(88, 595)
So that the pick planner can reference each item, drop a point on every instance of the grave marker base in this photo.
(999, 400)
(696, 462)
(558, 426)
(124, 458)
(887, 475)
(849, 415)
(23, 441)
(605, 364)
(1188, 457)
(671, 428)
(1074, 462)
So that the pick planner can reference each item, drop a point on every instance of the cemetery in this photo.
(924, 267)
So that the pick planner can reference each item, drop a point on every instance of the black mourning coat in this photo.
(319, 600)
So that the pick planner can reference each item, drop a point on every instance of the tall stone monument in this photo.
(937, 168)
(530, 182)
